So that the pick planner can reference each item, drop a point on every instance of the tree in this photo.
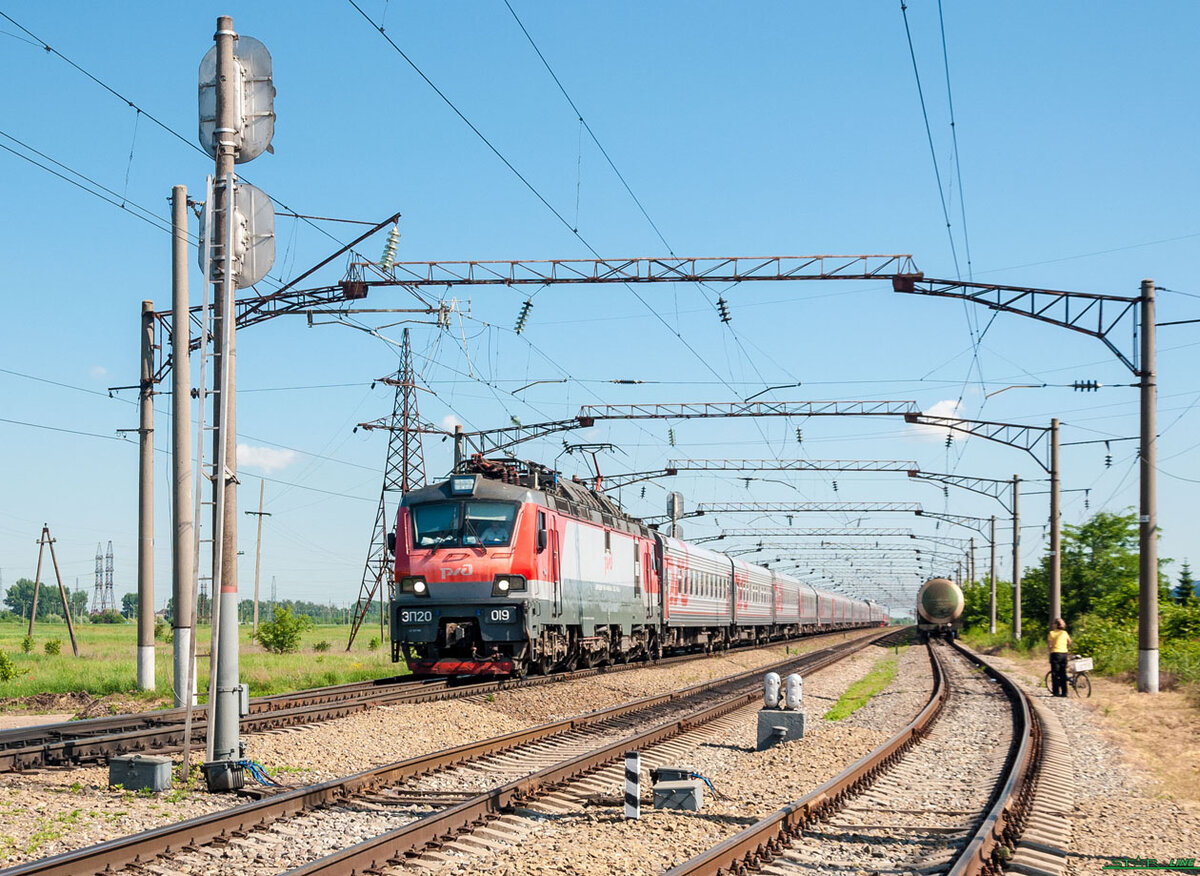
(20, 597)
(1099, 574)
(79, 603)
(282, 635)
(129, 605)
(978, 604)
(1185, 590)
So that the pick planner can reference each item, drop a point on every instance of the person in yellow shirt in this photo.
(1059, 642)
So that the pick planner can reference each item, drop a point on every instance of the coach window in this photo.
(637, 570)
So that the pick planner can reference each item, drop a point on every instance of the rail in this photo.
(162, 731)
(144, 847)
(981, 854)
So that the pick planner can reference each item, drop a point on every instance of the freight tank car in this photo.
(505, 567)
(939, 609)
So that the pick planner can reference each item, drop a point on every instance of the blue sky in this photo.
(747, 129)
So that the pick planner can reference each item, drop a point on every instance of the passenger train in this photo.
(505, 567)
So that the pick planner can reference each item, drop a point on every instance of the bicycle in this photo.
(1078, 681)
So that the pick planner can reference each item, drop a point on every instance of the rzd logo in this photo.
(463, 571)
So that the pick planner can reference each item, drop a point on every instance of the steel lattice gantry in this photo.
(1094, 314)
(845, 532)
(807, 507)
(497, 440)
(904, 465)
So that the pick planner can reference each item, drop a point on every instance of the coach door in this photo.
(556, 571)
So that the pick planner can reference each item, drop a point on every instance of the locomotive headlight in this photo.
(507, 583)
(414, 584)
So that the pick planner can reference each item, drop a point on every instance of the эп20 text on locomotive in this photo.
(505, 567)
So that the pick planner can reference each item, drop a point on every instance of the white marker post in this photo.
(633, 784)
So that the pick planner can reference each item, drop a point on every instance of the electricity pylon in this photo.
(404, 470)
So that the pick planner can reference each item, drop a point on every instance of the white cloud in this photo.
(268, 459)
(449, 421)
(945, 408)
(98, 372)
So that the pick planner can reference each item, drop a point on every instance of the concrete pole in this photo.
(226, 743)
(183, 571)
(145, 651)
(1055, 528)
(1016, 558)
(971, 565)
(1147, 672)
(992, 580)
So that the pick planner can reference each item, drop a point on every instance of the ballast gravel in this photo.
(750, 784)
(1117, 811)
(50, 811)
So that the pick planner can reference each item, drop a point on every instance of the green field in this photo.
(107, 662)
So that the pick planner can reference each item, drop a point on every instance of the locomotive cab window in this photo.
(470, 523)
(435, 524)
(488, 523)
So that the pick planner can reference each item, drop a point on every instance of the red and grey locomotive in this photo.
(505, 567)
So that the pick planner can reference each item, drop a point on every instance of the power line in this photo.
(962, 203)
(149, 216)
(719, 305)
(972, 330)
(588, 128)
(929, 135)
(533, 189)
(67, 431)
(142, 111)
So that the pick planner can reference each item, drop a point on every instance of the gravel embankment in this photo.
(918, 816)
(1117, 809)
(598, 840)
(47, 812)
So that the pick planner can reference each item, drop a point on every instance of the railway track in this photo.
(404, 808)
(97, 740)
(949, 794)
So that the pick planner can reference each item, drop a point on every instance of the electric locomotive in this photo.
(506, 567)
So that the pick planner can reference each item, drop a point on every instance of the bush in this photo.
(321, 646)
(1112, 644)
(108, 617)
(282, 635)
(162, 631)
(8, 671)
(373, 645)
(27, 644)
(53, 647)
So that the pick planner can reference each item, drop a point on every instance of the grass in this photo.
(860, 693)
(107, 662)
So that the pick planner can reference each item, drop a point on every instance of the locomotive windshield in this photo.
(463, 524)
